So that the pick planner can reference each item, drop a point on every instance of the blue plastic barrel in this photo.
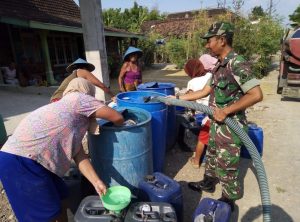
(256, 134)
(167, 89)
(121, 155)
(158, 111)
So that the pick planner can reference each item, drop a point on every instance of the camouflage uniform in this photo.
(231, 79)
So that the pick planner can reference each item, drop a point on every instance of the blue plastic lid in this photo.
(136, 99)
(151, 84)
(155, 85)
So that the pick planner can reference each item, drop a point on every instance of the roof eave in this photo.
(40, 25)
(60, 28)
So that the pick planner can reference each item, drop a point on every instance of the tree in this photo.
(256, 13)
(237, 5)
(113, 18)
(131, 19)
(295, 17)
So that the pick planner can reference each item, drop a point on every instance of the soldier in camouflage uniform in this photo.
(232, 89)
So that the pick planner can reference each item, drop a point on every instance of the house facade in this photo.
(48, 35)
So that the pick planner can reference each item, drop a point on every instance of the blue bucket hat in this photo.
(132, 50)
(79, 63)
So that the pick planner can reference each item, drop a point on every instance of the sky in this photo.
(282, 8)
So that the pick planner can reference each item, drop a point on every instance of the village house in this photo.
(47, 34)
(181, 23)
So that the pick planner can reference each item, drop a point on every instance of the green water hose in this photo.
(232, 124)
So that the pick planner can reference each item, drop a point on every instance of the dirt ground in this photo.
(280, 120)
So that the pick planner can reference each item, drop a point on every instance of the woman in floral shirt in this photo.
(40, 151)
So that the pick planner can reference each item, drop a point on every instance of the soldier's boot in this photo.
(208, 184)
(230, 202)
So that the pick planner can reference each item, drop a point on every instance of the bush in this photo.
(147, 45)
(261, 39)
(176, 51)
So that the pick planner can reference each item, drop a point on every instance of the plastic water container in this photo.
(151, 211)
(199, 118)
(166, 89)
(91, 210)
(161, 188)
(121, 155)
(256, 134)
(212, 210)
(158, 112)
(179, 109)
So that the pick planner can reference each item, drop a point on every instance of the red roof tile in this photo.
(61, 12)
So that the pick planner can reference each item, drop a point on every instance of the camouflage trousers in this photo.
(223, 156)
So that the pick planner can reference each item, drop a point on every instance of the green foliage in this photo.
(149, 48)
(113, 18)
(255, 41)
(258, 41)
(256, 13)
(260, 67)
(131, 19)
(176, 51)
(295, 17)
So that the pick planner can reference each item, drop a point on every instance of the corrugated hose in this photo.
(232, 124)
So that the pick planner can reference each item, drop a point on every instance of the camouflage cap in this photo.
(219, 28)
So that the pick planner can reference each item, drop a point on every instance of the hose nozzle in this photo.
(150, 99)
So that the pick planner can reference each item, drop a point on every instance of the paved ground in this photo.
(279, 119)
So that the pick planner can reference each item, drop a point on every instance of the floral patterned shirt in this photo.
(52, 134)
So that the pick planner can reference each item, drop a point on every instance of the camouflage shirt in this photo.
(232, 78)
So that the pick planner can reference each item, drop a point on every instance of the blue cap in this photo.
(79, 63)
(132, 50)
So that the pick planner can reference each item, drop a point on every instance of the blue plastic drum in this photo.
(121, 155)
(158, 111)
(167, 89)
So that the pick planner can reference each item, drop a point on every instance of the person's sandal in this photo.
(191, 161)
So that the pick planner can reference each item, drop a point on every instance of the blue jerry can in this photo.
(160, 188)
(212, 210)
(256, 134)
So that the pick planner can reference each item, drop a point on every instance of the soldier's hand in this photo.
(219, 115)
